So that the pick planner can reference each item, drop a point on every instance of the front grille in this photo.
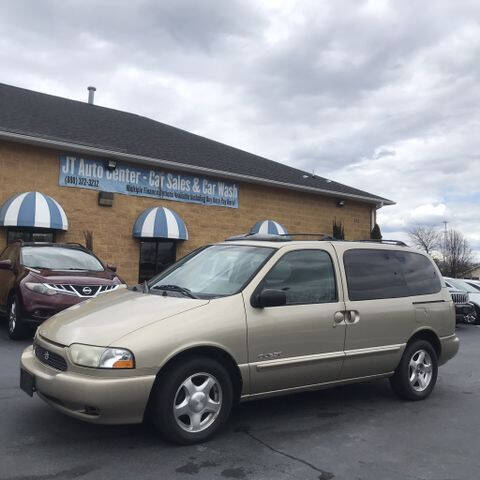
(50, 358)
(459, 297)
(82, 290)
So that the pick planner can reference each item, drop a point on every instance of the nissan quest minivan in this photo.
(252, 317)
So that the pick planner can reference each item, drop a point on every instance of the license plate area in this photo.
(27, 382)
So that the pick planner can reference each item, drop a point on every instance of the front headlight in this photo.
(40, 288)
(101, 357)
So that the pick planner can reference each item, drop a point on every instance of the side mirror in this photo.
(269, 298)
(112, 267)
(6, 264)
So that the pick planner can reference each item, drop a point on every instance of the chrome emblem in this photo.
(269, 355)
(46, 355)
(86, 290)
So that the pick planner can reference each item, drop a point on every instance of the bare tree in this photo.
(457, 254)
(425, 238)
(88, 235)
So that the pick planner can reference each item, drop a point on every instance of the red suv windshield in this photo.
(59, 258)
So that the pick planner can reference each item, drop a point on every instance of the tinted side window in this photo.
(306, 276)
(375, 274)
(420, 275)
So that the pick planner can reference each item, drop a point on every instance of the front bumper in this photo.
(450, 346)
(37, 308)
(92, 399)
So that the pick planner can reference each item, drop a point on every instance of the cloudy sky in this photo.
(381, 95)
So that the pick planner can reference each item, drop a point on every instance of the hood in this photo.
(102, 320)
(73, 277)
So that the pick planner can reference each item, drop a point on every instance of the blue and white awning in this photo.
(269, 227)
(160, 222)
(33, 209)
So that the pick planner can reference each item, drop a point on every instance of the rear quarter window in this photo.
(376, 274)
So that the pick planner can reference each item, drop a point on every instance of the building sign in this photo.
(129, 179)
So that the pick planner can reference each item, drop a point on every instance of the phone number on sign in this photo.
(81, 181)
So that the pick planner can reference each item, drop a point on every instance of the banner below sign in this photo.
(145, 182)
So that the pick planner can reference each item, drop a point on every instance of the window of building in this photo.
(30, 235)
(306, 276)
(376, 274)
(155, 256)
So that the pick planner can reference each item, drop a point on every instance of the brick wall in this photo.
(26, 168)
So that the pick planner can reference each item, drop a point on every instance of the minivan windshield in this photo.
(214, 271)
(60, 258)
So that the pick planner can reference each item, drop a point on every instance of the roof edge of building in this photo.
(86, 149)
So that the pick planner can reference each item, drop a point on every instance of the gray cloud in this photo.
(380, 95)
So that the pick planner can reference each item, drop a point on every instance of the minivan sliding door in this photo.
(379, 312)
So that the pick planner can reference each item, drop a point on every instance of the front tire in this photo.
(191, 400)
(417, 372)
(477, 315)
(17, 330)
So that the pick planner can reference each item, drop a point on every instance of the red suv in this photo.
(38, 280)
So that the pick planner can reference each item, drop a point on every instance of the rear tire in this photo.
(191, 400)
(416, 375)
(17, 330)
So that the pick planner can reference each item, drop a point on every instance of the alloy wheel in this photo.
(420, 370)
(197, 402)
(12, 317)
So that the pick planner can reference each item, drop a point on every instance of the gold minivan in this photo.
(248, 318)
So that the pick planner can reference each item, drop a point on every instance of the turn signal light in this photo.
(124, 364)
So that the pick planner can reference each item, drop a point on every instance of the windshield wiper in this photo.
(176, 288)
(146, 288)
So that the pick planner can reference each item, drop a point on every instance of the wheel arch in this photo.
(211, 351)
(11, 293)
(430, 336)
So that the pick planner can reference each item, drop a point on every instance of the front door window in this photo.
(155, 256)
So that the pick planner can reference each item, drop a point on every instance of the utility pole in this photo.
(445, 223)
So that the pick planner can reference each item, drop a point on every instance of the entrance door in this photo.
(155, 256)
(30, 235)
(302, 342)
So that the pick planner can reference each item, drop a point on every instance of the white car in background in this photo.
(473, 283)
(471, 287)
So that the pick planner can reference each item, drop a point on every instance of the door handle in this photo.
(338, 318)
(352, 316)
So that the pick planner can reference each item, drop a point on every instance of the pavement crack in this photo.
(324, 475)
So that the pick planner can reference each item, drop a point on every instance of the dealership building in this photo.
(145, 192)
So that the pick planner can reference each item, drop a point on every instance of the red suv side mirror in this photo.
(6, 264)
(112, 267)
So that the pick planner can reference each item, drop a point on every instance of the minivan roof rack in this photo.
(386, 241)
(277, 237)
(287, 237)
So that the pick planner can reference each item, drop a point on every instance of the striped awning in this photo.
(160, 222)
(33, 209)
(269, 227)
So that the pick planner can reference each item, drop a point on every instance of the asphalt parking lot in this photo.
(355, 432)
